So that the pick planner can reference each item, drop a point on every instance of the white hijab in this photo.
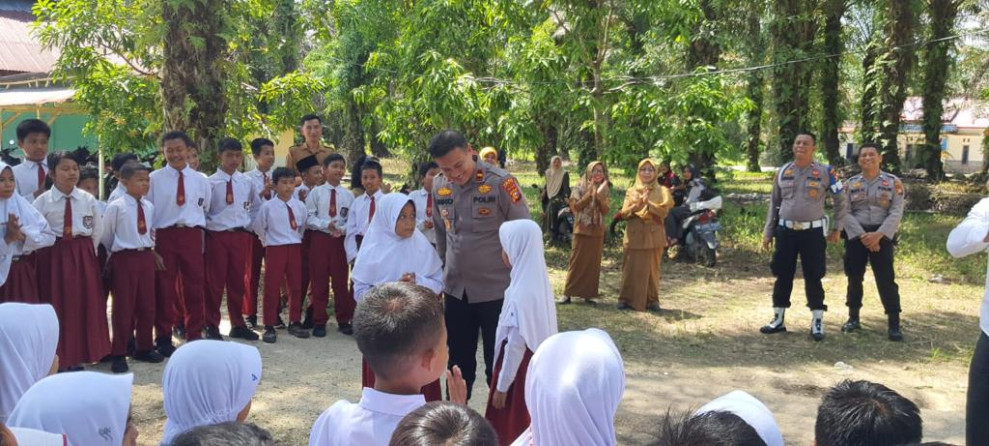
(751, 411)
(529, 301)
(28, 338)
(572, 389)
(32, 224)
(384, 256)
(34, 437)
(208, 382)
(554, 178)
(90, 408)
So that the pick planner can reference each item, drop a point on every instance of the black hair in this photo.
(89, 173)
(445, 142)
(225, 434)
(863, 413)
(309, 117)
(395, 321)
(127, 172)
(29, 126)
(257, 145)
(355, 173)
(870, 144)
(120, 159)
(373, 164)
(812, 136)
(283, 172)
(444, 423)
(177, 134)
(930, 443)
(54, 158)
(229, 144)
(334, 157)
(424, 168)
(717, 428)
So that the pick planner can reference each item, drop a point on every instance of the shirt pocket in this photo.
(787, 187)
(484, 210)
(857, 195)
(813, 188)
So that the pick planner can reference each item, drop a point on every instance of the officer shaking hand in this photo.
(796, 221)
(875, 202)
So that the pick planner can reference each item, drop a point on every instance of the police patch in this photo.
(815, 172)
(484, 188)
(479, 176)
(484, 212)
(899, 187)
(812, 193)
(87, 222)
(788, 173)
(512, 187)
(444, 191)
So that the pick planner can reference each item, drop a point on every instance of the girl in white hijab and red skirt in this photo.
(528, 317)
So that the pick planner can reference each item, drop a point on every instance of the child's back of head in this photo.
(444, 423)
(863, 413)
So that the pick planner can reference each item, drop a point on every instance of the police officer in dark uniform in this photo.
(875, 202)
(471, 199)
(796, 220)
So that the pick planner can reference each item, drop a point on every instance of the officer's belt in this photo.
(802, 225)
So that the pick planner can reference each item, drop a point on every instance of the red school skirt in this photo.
(510, 421)
(22, 282)
(77, 295)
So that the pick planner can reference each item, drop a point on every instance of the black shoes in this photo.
(279, 324)
(817, 329)
(346, 329)
(252, 321)
(213, 333)
(269, 336)
(119, 365)
(307, 322)
(622, 306)
(851, 325)
(165, 347)
(654, 307)
(319, 331)
(295, 329)
(770, 329)
(894, 333)
(149, 356)
(242, 332)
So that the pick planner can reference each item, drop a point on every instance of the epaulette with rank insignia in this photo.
(512, 187)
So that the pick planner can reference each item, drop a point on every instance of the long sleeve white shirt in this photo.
(969, 238)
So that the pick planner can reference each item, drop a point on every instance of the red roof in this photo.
(19, 50)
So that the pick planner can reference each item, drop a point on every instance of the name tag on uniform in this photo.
(484, 199)
(444, 201)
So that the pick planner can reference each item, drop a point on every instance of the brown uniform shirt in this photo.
(873, 203)
(798, 195)
(466, 219)
(297, 153)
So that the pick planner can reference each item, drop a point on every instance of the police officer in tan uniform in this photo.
(796, 220)
(875, 202)
(311, 127)
(471, 199)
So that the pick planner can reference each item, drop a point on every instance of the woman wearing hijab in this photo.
(89, 408)
(528, 317)
(209, 382)
(645, 208)
(395, 250)
(554, 196)
(752, 411)
(489, 155)
(28, 338)
(574, 384)
(590, 202)
(691, 190)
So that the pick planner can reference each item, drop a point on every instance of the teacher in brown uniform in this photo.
(311, 128)
(471, 199)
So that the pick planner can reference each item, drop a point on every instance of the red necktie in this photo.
(180, 193)
(370, 213)
(291, 217)
(333, 202)
(429, 205)
(142, 223)
(267, 193)
(41, 176)
(67, 218)
(230, 191)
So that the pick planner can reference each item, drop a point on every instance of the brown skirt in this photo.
(584, 270)
(640, 277)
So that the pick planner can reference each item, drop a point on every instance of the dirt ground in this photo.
(705, 343)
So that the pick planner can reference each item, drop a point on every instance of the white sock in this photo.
(778, 318)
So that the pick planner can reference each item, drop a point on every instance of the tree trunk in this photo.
(352, 144)
(754, 91)
(897, 63)
(870, 92)
(936, 66)
(830, 81)
(793, 36)
(548, 148)
(193, 75)
(378, 147)
(286, 24)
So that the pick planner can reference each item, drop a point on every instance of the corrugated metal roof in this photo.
(19, 50)
(35, 96)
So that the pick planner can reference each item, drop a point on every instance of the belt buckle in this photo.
(799, 226)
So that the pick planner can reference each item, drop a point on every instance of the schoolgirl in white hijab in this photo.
(33, 437)
(208, 382)
(751, 411)
(28, 338)
(33, 225)
(90, 408)
(394, 249)
(528, 317)
(573, 387)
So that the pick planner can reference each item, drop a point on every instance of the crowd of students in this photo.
(177, 241)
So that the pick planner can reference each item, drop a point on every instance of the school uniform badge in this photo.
(247, 205)
(202, 201)
(87, 222)
(512, 187)
(343, 212)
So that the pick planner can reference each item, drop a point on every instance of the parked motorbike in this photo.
(700, 232)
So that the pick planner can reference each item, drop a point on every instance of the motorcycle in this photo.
(564, 222)
(700, 232)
